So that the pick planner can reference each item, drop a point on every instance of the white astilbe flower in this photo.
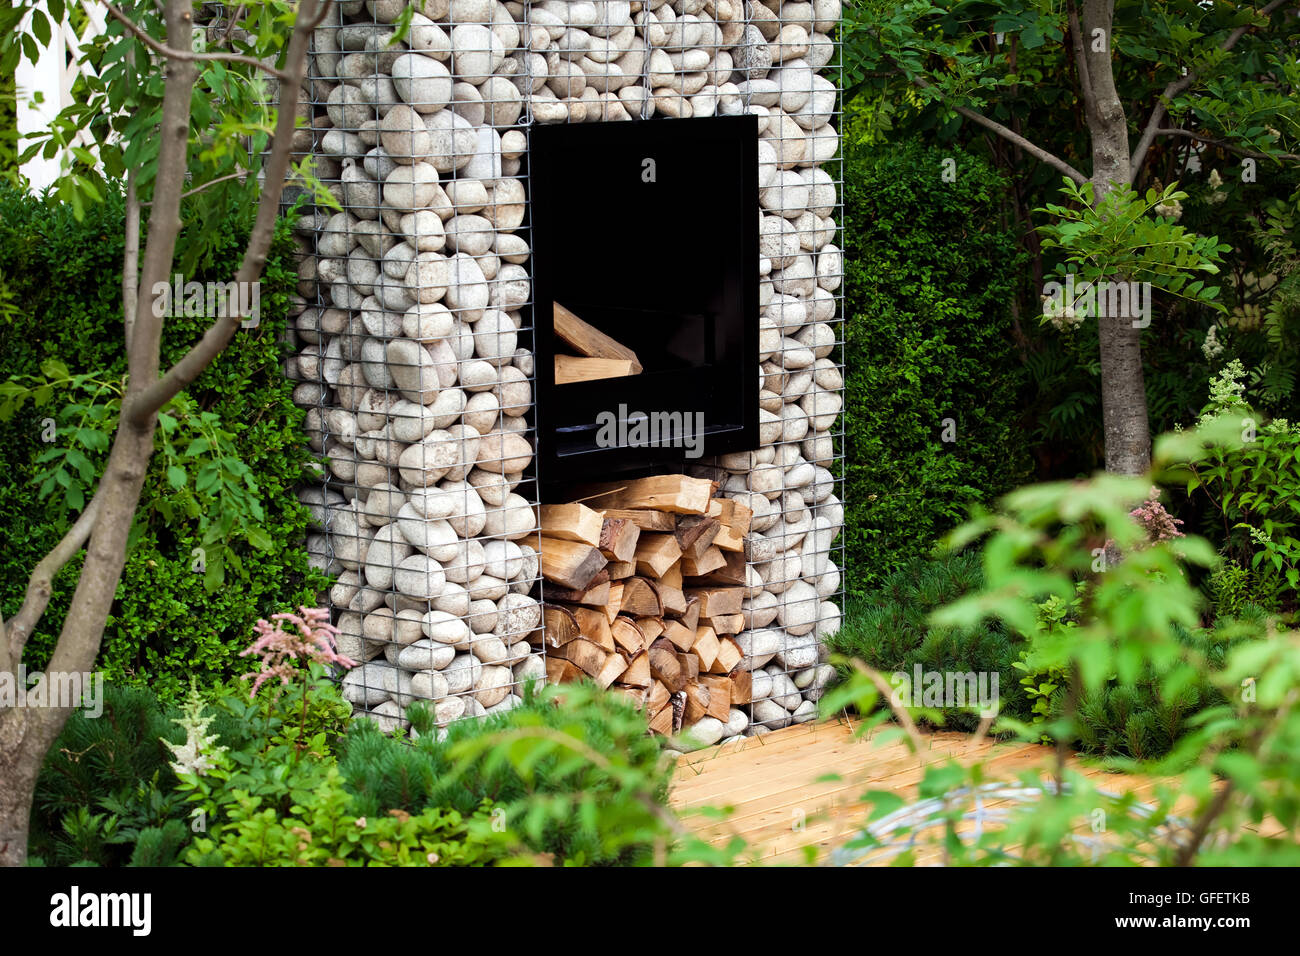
(197, 753)
(1212, 348)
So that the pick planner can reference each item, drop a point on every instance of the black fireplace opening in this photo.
(645, 291)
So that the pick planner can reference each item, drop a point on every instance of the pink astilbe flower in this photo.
(1158, 523)
(311, 636)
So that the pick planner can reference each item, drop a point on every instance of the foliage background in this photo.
(929, 335)
(63, 281)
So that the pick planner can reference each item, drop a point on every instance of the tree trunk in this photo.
(17, 786)
(1123, 397)
(1123, 391)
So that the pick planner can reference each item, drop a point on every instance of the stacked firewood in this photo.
(642, 588)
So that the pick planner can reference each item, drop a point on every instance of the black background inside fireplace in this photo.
(668, 267)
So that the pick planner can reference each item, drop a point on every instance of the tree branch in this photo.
(1224, 144)
(1081, 63)
(159, 392)
(189, 56)
(1012, 136)
(131, 259)
(40, 584)
(1181, 85)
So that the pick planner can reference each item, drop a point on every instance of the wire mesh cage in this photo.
(415, 352)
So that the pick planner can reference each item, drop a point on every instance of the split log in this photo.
(640, 598)
(645, 520)
(560, 625)
(595, 594)
(638, 671)
(729, 624)
(679, 494)
(710, 560)
(585, 339)
(716, 601)
(655, 554)
(570, 369)
(664, 666)
(677, 634)
(572, 522)
(595, 627)
(627, 635)
(584, 655)
(729, 655)
(618, 538)
(570, 564)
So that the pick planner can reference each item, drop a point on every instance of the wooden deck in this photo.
(789, 813)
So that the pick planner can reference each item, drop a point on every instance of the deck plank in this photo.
(784, 809)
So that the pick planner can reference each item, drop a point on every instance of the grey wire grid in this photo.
(415, 364)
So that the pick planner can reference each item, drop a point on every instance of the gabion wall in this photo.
(414, 358)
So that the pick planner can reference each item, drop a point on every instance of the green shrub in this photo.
(105, 782)
(167, 624)
(562, 805)
(933, 386)
(888, 629)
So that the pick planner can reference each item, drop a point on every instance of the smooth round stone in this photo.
(760, 609)
(504, 452)
(797, 654)
(705, 732)
(386, 550)
(427, 685)
(370, 683)
(422, 231)
(799, 608)
(469, 515)
(830, 268)
(408, 188)
(489, 649)
(502, 104)
(422, 82)
(434, 536)
(452, 141)
(482, 616)
(466, 568)
(419, 576)
(428, 276)
(443, 628)
(513, 520)
(470, 234)
(462, 673)
(404, 136)
(502, 559)
(475, 52)
(466, 196)
(413, 370)
(518, 616)
(467, 102)
(482, 411)
(424, 655)
(493, 685)
(428, 37)
(426, 461)
(759, 646)
(467, 288)
(426, 322)
(383, 504)
(492, 486)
